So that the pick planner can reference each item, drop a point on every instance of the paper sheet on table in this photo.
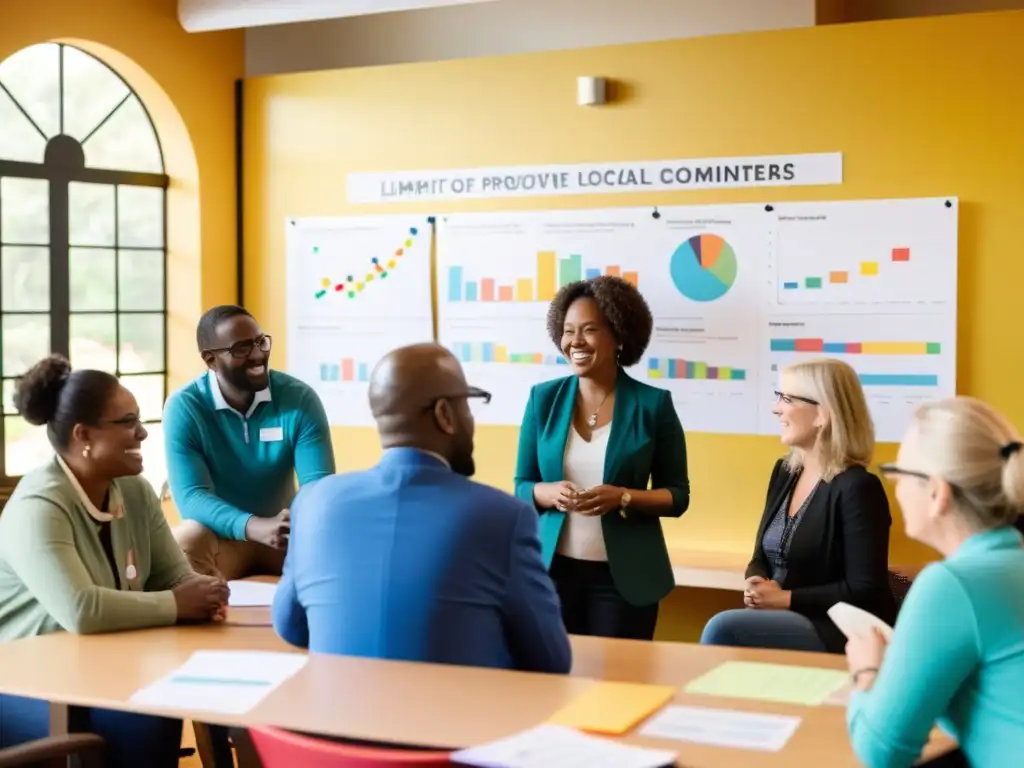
(613, 708)
(251, 594)
(769, 682)
(230, 682)
(556, 746)
(722, 728)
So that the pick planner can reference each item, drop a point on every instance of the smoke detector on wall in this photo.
(591, 91)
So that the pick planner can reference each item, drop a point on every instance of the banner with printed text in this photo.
(596, 178)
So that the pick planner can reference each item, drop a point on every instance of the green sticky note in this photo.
(769, 682)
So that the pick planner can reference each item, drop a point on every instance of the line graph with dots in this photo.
(357, 287)
(353, 284)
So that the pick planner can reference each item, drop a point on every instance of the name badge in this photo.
(271, 435)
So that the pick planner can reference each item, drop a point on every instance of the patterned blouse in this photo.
(779, 534)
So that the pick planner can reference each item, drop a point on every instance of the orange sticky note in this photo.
(612, 708)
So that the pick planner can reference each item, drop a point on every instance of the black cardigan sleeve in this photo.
(863, 509)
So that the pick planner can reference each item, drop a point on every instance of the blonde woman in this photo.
(957, 655)
(824, 534)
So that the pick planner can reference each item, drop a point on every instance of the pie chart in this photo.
(703, 268)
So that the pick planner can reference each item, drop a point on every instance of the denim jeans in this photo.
(762, 628)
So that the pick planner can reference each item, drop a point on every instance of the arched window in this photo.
(82, 236)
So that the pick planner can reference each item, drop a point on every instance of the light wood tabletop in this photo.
(418, 704)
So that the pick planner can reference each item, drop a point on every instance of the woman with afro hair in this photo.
(602, 457)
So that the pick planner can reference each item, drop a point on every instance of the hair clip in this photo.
(1010, 448)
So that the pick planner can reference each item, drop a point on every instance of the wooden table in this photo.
(419, 704)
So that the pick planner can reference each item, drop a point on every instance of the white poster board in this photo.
(736, 291)
(357, 287)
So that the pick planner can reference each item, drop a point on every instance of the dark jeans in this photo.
(759, 628)
(592, 604)
(132, 740)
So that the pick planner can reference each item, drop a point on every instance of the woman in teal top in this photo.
(84, 547)
(602, 457)
(957, 654)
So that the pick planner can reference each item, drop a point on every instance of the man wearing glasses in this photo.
(236, 438)
(411, 559)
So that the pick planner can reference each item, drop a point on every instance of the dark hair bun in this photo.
(37, 394)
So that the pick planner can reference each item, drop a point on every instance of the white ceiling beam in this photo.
(210, 15)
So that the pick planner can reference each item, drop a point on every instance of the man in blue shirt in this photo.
(411, 560)
(236, 437)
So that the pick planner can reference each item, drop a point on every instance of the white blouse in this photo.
(582, 537)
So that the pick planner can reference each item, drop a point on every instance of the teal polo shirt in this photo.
(224, 466)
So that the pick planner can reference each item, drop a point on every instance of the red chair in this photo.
(283, 749)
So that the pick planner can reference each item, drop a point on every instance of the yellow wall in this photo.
(186, 81)
(919, 108)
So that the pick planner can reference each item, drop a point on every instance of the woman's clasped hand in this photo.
(764, 593)
(201, 598)
(564, 496)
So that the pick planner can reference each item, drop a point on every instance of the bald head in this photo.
(408, 379)
(418, 396)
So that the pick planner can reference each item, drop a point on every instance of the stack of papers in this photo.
(784, 683)
(555, 746)
(251, 594)
(230, 682)
(722, 728)
(613, 708)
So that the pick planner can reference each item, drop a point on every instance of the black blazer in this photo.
(839, 552)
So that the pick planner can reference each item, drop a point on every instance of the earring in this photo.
(86, 451)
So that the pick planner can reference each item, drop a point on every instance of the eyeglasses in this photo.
(471, 393)
(131, 422)
(242, 349)
(891, 471)
(894, 469)
(790, 399)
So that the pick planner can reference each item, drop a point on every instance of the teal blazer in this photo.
(646, 446)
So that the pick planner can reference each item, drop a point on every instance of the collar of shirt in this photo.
(113, 501)
(263, 396)
(437, 456)
(991, 540)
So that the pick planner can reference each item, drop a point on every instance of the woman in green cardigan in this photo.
(602, 457)
(84, 547)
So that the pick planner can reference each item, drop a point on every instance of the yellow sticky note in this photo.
(786, 683)
(612, 708)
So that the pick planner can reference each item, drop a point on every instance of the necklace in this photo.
(592, 418)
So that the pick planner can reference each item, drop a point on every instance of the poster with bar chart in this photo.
(866, 256)
(872, 283)
(697, 268)
(357, 287)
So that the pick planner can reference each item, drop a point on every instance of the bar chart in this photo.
(345, 369)
(821, 346)
(506, 357)
(902, 360)
(865, 269)
(551, 272)
(865, 256)
(489, 352)
(898, 379)
(672, 368)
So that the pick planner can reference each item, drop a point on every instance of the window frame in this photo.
(60, 174)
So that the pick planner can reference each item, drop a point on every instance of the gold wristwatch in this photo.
(624, 503)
